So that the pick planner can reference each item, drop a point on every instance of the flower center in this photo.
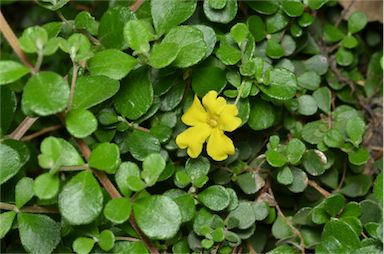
(213, 121)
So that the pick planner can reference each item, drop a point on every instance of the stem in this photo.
(344, 12)
(41, 132)
(318, 188)
(29, 209)
(23, 127)
(239, 92)
(39, 61)
(13, 41)
(73, 85)
(288, 222)
(127, 238)
(114, 193)
(250, 248)
(342, 177)
(134, 7)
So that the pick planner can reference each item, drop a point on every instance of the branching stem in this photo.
(318, 188)
(13, 41)
(28, 209)
(23, 127)
(288, 222)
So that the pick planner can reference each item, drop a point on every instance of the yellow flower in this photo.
(208, 124)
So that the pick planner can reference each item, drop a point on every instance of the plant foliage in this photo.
(90, 160)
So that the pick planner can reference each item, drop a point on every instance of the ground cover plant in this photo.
(180, 126)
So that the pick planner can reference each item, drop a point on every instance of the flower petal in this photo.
(193, 138)
(219, 146)
(196, 114)
(228, 120)
(213, 104)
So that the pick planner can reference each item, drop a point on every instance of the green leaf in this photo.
(45, 93)
(285, 176)
(125, 170)
(153, 166)
(262, 115)
(309, 80)
(46, 186)
(276, 159)
(242, 217)
(267, 7)
(77, 46)
(8, 105)
(6, 221)
(23, 191)
(38, 233)
(256, 27)
(83, 245)
(332, 34)
(283, 249)
(112, 25)
(105, 157)
(295, 150)
(11, 71)
(274, 50)
(378, 188)
(81, 200)
(185, 202)
(276, 22)
(84, 20)
(358, 157)
(112, 63)
(191, 43)
(135, 183)
(349, 42)
(56, 152)
(214, 197)
(352, 209)
(80, 123)
(137, 35)
(356, 186)
(224, 15)
(141, 144)
(357, 21)
(163, 54)
(323, 98)
(106, 240)
(228, 54)
(157, 216)
(173, 97)
(316, 4)
(53, 5)
(300, 180)
(212, 75)
(344, 57)
(92, 90)
(307, 105)
(239, 32)
(280, 229)
(334, 139)
(317, 63)
(168, 14)
(11, 165)
(217, 4)
(293, 8)
(197, 168)
(136, 95)
(282, 84)
(247, 183)
(209, 37)
(337, 237)
(33, 39)
(313, 132)
(314, 162)
(355, 129)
